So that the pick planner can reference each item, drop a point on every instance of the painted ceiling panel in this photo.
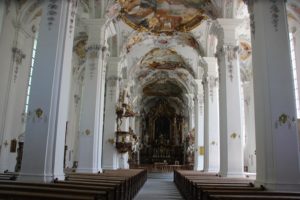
(163, 15)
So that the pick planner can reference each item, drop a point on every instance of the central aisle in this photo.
(159, 186)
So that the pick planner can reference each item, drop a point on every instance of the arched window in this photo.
(293, 57)
(31, 68)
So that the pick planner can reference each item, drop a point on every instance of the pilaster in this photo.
(199, 128)
(110, 154)
(90, 138)
(231, 157)
(211, 117)
(277, 144)
(43, 154)
(250, 147)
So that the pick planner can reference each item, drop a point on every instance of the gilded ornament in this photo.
(39, 113)
(87, 131)
(233, 135)
(284, 119)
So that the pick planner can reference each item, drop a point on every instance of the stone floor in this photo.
(159, 186)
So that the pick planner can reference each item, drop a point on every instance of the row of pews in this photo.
(8, 176)
(110, 185)
(209, 186)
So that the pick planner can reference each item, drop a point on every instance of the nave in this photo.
(159, 186)
(98, 86)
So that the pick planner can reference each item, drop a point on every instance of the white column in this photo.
(211, 116)
(277, 149)
(45, 132)
(231, 157)
(191, 112)
(110, 154)
(199, 128)
(90, 138)
(123, 157)
(250, 147)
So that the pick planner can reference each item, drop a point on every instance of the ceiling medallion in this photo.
(163, 15)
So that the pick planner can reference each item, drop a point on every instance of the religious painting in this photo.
(163, 15)
(162, 129)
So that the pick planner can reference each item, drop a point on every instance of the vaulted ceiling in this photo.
(161, 42)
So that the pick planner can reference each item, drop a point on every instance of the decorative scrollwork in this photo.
(274, 9)
(52, 12)
(231, 55)
(18, 57)
(284, 119)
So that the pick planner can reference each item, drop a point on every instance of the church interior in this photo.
(100, 96)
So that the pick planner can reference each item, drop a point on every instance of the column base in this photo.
(232, 174)
(198, 168)
(211, 170)
(109, 167)
(37, 178)
(281, 187)
(88, 170)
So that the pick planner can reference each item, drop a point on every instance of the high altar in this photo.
(162, 135)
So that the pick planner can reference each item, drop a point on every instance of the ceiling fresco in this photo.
(162, 88)
(162, 40)
(163, 15)
(294, 10)
(164, 59)
(161, 57)
(181, 77)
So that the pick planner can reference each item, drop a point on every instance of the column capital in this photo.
(113, 60)
(230, 29)
(94, 22)
(94, 28)
(211, 68)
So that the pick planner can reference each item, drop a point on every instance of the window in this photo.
(293, 57)
(30, 75)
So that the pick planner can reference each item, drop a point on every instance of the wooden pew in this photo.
(83, 186)
(120, 182)
(107, 191)
(254, 197)
(8, 176)
(190, 184)
(130, 181)
(29, 195)
(199, 186)
(95, 194)
(120, 189)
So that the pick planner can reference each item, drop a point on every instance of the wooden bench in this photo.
(29, 195)
(8, 176)
(95, 194)
(199, 186)
(118, 185)
(128, 181)
(255, 197)
(109, 191)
